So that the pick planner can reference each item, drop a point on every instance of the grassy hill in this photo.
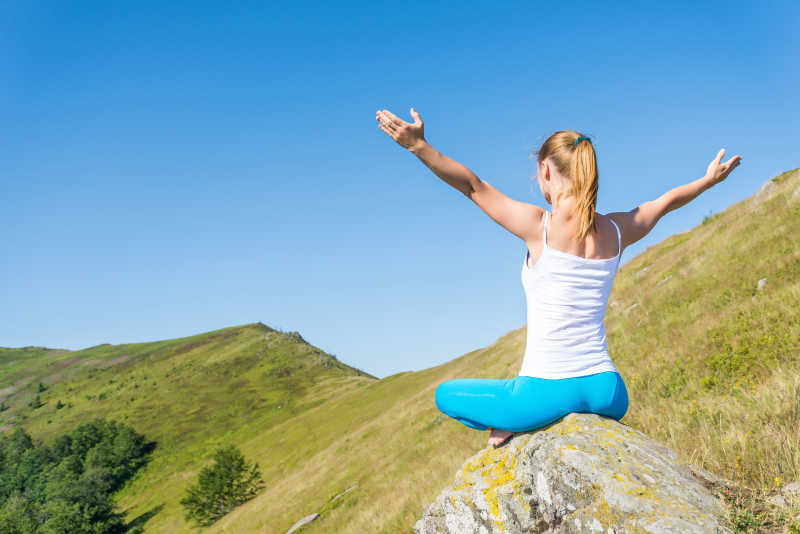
(704, 328)
(189, 395)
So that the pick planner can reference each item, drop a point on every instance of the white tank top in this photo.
(566, 299)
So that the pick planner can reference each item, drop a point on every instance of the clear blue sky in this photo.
(167, 170)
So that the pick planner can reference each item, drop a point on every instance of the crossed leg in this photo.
(496, 437)
(525, 403)
(482, 399)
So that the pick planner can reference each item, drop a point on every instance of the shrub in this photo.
(221, 487)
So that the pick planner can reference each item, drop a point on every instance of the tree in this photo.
(67, 487)
(18, 515)
(221, 487)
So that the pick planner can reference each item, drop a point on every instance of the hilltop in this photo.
(187, 394)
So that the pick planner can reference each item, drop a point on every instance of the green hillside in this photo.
(704, 328)
(189, 395)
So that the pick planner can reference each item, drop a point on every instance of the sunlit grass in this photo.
(710, 361)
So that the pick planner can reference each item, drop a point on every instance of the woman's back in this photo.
(561, 237)
(567, 296)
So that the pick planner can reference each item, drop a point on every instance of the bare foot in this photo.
(498, 437)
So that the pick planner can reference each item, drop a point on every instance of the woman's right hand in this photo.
(407, 135)
(717, 171)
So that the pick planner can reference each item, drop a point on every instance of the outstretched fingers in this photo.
(731, 164)
(386, 125)
(734, 160)
(391, 125)
(393, 119)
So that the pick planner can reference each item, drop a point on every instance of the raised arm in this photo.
(519, 218)
(638, 222)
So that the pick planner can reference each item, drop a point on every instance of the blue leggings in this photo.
(526, 403)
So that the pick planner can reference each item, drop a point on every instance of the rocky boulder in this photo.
(584, 473)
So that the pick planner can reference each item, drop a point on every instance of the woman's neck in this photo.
(562, 207)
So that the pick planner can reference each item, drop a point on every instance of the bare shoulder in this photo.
(538, 215)
(536, 224)
(533, 237)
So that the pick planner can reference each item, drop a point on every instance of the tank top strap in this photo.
(544, 228)
(619, 236)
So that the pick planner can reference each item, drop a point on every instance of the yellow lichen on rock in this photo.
(498, 471)
(585, 470)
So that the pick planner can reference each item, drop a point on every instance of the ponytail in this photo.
(573, 154)
(583, 170)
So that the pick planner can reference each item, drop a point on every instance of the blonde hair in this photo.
(579, 165)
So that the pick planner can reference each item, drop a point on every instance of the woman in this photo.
(571, 260)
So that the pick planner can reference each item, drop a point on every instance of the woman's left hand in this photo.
(406, 134)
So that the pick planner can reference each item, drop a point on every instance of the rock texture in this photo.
(332, 503)
(585, 473)
(303, 522)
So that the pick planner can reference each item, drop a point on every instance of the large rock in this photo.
(583, 473)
